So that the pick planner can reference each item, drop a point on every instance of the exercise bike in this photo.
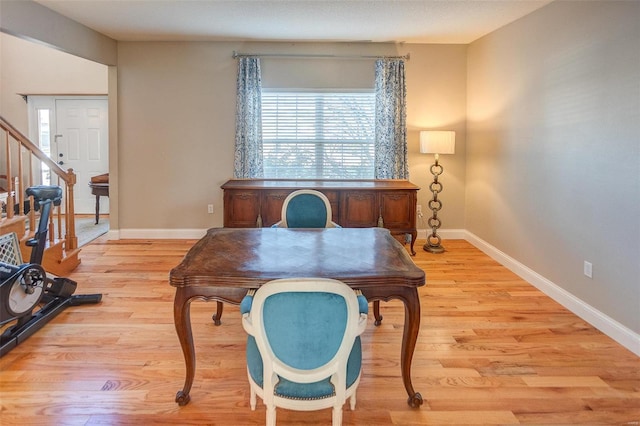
(27, 295)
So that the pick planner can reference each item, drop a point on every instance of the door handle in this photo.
(55, 139)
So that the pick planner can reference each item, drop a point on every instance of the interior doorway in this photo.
(73, 132)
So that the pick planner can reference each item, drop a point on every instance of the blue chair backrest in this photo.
(305, 329)
(306, 211)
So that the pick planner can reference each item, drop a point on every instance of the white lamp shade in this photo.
(437, 142)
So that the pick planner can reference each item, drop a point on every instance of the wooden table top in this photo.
(249, 257)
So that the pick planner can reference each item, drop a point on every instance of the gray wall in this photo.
(553, 149)
(177, 119)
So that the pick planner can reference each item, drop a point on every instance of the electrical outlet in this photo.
(210, 208)
(588, 269)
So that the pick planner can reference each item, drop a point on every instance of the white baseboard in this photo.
(113, 234)
(618, 332)
(445, 234)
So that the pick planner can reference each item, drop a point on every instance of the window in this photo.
(318, 135)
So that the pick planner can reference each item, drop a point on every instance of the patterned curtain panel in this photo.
(391, 126)
(248, 150)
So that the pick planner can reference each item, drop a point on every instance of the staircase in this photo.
(21, 165)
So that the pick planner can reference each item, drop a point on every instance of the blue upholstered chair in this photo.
(303, 350)
(306, 208)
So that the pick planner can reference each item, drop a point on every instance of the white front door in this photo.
(81, 143)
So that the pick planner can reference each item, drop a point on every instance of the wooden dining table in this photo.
(227, 262)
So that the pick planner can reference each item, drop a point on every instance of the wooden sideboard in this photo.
(391, 204)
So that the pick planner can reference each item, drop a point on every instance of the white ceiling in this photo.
(410, 21)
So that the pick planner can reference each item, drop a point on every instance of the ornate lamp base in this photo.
(433, 241)
(433, 248)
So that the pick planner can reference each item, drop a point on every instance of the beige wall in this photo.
(436, 100)
(176, 115)
(553, 150)
(32, 21)
(177, 119)
(31, 68)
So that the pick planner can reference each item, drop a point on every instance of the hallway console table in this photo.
(100, 188)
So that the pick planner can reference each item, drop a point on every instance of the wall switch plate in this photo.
(588, 269)
(210, 208)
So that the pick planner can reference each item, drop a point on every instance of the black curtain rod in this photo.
(318, 56)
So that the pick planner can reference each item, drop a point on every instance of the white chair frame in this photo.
(336, 368)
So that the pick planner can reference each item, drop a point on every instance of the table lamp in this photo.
(436, 142)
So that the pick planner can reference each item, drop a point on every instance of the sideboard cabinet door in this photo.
(334, 200)
(271, 206)
(398, 210)
(241, 208)
(359, 209)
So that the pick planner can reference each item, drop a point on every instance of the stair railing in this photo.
(30, 160)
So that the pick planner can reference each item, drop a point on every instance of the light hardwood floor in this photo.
(492, 349)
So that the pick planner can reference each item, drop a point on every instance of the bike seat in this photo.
(45, 193)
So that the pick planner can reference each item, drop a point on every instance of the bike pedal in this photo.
(62, 287)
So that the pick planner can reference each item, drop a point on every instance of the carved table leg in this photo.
(182, 320)
(376, 313)
(218, 315)
(409, 339)
(411, 300)
(97, 209)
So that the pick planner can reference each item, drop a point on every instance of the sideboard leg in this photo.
(376, 313)
(218, 315)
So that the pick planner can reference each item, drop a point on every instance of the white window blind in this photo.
(318, 135)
